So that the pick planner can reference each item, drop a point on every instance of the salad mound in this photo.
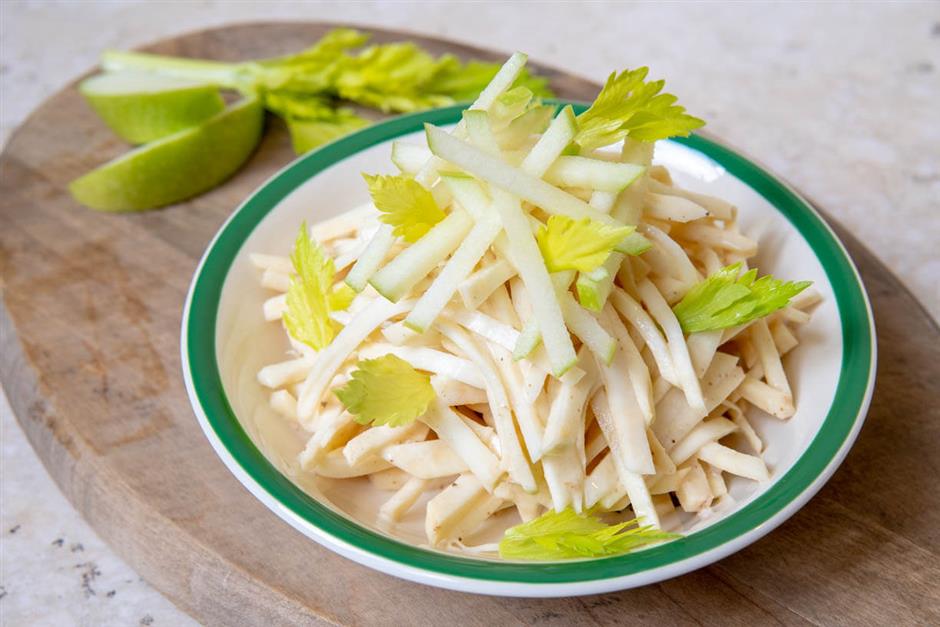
(532, 324)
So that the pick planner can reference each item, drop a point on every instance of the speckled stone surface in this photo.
(839, 99)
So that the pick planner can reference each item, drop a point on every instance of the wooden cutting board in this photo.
(89, 358)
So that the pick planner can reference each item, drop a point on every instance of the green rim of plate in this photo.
(849, 399)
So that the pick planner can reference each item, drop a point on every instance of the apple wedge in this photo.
(142, 108)
(176, 167)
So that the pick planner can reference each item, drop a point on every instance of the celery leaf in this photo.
(392, 77)
(308, 298)
(583, 245)
(724, 300)
(628, 106)
(386, 391)
(570, 535)
(404, 204)
(341, 297)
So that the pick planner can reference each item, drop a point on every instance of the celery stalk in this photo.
(231, 75)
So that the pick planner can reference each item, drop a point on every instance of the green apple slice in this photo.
(414, 263)
(141, 108)
(176, 167)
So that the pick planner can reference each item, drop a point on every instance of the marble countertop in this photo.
(838, 99)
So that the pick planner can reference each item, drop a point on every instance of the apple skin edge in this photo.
(176, 167)
(146, 116)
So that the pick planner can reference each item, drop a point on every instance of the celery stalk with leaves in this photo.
(310, 89)
(177, 101)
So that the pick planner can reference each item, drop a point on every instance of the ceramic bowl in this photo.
(225, 341)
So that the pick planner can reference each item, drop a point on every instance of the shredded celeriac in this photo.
(553, 390)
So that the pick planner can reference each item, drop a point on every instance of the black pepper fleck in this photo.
(14, 528)
(58, 542)
(90, 572)
(146, 620)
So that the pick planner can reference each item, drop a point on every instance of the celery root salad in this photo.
(530, 316)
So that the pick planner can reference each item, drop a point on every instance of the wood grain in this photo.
(89, 332)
